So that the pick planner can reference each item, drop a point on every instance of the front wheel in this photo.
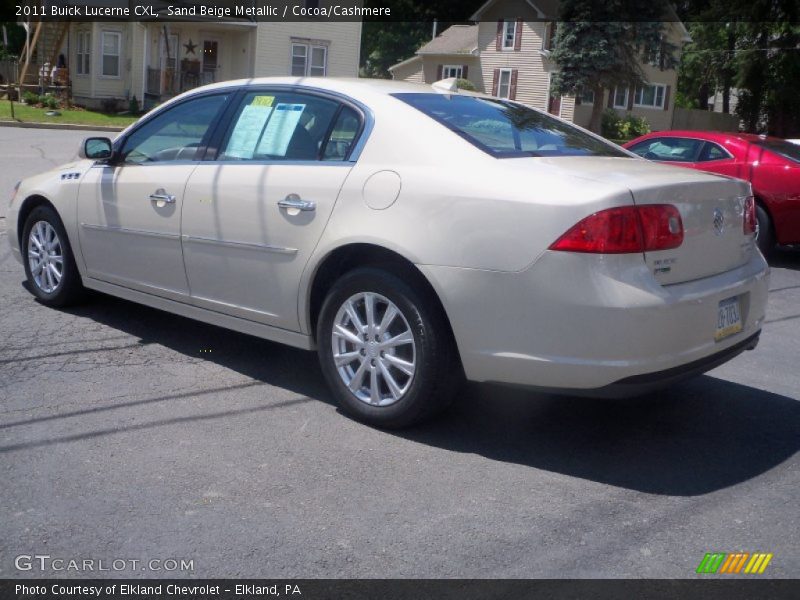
(385, 350)
(49, 264)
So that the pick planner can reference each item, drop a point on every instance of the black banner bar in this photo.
(391, 589)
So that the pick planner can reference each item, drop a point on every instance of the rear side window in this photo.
(506, 130)
(279, 126)
(781, 147)
(344, 133)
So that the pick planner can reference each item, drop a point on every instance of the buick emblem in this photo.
(719, 221)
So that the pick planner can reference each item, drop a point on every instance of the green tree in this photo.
(601, 46)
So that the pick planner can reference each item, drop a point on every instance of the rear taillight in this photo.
(625, 229)
(750, 222)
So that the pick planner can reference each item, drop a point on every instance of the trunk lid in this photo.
(711, 208)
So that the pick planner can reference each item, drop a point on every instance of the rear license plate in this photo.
(729, 318)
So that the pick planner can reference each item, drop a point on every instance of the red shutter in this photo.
(495, 81)
(512, 93)
(631, 93)
(439, 71)
(611, 93)
(518, 35)
(464, 71)
(666, 98)
(499, 40)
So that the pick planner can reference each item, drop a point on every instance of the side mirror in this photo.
(96, 148)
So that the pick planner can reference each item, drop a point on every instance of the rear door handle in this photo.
(160, 195)
(294, 201)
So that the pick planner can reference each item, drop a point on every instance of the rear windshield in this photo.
(505, 129)
(782, 147)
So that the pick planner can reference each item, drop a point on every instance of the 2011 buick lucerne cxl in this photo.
(411, 234)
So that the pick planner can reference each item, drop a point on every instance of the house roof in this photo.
(407, 61)
(480, 12)
(457, 39)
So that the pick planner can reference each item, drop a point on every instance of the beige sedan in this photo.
(412, 235)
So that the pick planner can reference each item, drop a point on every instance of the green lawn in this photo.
(28, 114)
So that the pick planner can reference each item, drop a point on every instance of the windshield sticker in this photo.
(251, 123)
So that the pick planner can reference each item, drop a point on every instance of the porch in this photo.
(182, 56)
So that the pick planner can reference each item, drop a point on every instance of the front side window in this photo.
(620, 97)
(175, 134)
(507, 130)
(84, 52)
(504, 84)
(279, 126)
(649, 96)
(509, 34)
(668, 149)
(309, 60)
(112, 42)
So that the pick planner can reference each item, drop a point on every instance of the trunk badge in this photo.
(719, 221)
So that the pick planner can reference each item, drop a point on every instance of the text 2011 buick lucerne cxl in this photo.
(409, 233)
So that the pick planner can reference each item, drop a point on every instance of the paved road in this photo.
(127, 433)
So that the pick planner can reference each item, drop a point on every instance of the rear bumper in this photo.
(594, 324)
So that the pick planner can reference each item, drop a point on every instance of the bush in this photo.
(465, 84)
(30, 98)
(615, 128)
(49, 101)
(632, 127)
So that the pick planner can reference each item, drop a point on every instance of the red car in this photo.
(771, 165)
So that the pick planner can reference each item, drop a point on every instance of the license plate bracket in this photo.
(729, 318)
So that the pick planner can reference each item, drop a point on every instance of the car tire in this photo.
(386, 395)
(44, 233)
(765, 236)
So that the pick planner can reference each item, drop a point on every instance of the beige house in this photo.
(507, 54)
(154, 60)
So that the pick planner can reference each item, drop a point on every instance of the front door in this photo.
(210, 60)
(252, 218)
(130, 212)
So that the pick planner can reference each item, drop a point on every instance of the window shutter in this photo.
(499, 40)
(611, 93)
(518, 35)
(464, 71)
(439, 72)
(512, 93)
(495, 81)
(666, 98)
(631, 93)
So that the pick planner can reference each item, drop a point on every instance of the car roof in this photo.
(345, 85)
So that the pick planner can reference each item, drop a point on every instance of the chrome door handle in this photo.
(160, 195)
(294, 201)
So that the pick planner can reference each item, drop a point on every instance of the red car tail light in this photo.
(625, 230)
(750, 221)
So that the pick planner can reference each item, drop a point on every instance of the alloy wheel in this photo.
(45, 257)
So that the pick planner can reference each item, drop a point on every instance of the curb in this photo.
(67, 126)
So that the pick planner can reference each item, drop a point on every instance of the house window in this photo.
(587, 97)
(509, 33)
(649, 96)
(549, 35)
(84, 54)
(112, 43)
(452, 71)
(620, 97)
(309, 60)
(504, 84)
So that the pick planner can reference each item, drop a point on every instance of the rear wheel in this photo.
(385, 350)
(49, 263)
(765, 237)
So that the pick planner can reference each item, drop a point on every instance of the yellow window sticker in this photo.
(262, 101)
